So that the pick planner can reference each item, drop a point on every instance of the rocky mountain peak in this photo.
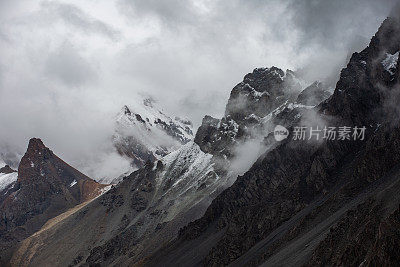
(145, 133)
(33, 162)
(365, 89)
(265, 96)
(37, 148)
(35, 144)
(262, 91)
(46, 186)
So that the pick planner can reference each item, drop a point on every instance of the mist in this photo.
(66, 68)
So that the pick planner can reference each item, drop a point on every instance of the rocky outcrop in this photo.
(260, 92)
(365, 85)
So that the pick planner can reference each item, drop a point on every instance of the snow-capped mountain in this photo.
(145, 133)
(333, 202)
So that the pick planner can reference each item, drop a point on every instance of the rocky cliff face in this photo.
(281, 210)
(266, 97)
(46, 186)
(262, 91)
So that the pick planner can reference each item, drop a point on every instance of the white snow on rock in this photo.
(105, 189)
(188, 178)
(292, 106)
(147, 128)
(390, 62)
(7, 179)
(190, 159)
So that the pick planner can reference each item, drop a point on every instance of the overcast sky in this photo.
(66, 67)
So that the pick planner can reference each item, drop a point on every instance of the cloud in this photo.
(67, 68)
(246, 154)
(173, 12)
(74, 16)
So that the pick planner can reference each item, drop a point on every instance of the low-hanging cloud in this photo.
(67, 68)
(66, 65)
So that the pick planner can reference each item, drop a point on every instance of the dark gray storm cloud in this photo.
(67, 67)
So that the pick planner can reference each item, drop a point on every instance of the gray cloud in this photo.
(66, 65)
(68, 68)
(73, 15)
(172, 12)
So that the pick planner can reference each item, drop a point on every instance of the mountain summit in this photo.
(46, 186)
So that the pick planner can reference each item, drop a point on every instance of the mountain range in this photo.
(232, 194)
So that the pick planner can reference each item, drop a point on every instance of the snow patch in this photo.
(105, 189)
(7, 179)
(188, 177)
(73, 183)
(390, 62)
(292, 106)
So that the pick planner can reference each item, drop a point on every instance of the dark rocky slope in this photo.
(269, 214)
